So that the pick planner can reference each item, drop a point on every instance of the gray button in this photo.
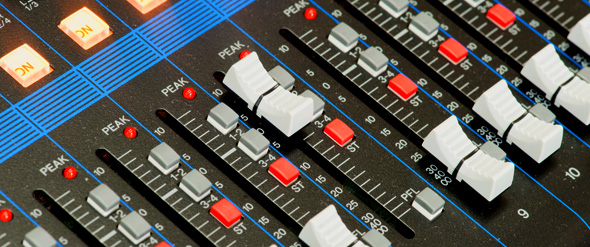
(164, 158)
(541, 112)
(135, 227)
(375, 239)
(284, 78)
(429, 203)
(39, 237)
(424, 26)
(103, 199)
(343, 37)
(318, 104)
(254, 144)
(492, 150)
(394, 7)
(373, 61)
(223, 118)
(196, 185)
(585, 74)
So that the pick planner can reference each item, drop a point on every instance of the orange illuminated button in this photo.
(145, 6)
(25, 65)
(85, 27)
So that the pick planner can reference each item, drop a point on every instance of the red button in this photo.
(283, 171)
(500, 15)
(226, 213)
(402, 86)
(453, 50)
(339, 132)
(163, 244)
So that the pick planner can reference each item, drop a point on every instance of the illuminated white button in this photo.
(145, 6)
(86, 28)
(25, 65)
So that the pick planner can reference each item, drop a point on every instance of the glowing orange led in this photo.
(25, 65)
(86, 28)
(145, 6)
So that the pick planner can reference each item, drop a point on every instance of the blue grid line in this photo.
(247, 215)
(43, 104)
(537, 182)
(171, 20)
(586, 2)
(245, 125)
(540, 35)
(108, 64)
(36, 104)
(48, 88)
(105, 53)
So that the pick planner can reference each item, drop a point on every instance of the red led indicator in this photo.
(130, 132)
(310, 14)
(70, 172)
(5, 215)
(189, 93)
(244, 54)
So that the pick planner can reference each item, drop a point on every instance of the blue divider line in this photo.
(366, 132)
(460, 120)
(542, 37)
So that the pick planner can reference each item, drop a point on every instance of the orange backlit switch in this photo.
(86, 28)
(145, 6)
(25, 65)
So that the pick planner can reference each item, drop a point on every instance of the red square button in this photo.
(500, 15)
(453, 51)
(339, 132)
(283, 171)
(226, 213)
(163, 244)
(402, 86)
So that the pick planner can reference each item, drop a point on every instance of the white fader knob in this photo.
(251, 82)
(580, 34)
(487, 175)
(326, 229)
(546, 70)
(537, 138)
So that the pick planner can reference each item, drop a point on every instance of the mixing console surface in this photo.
(322, 123)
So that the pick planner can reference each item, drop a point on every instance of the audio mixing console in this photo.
(321, 123)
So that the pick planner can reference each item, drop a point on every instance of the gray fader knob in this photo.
(375, 239)
(39, 237)
(164, 158)
(394, 7)
(103, 199)
(196, 185)
(373, 61)
(223, 118)
(254, 144)
(284, 78)
(343, 37)
(424, 26)
(429, 204)
(135, 228)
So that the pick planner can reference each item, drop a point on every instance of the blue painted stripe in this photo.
(586, 2)
(248, 216)
(192, 35)
(360, 127)
(49, 88)
(179, 25)
(542, 37)
(41, 104)
(106, 52)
